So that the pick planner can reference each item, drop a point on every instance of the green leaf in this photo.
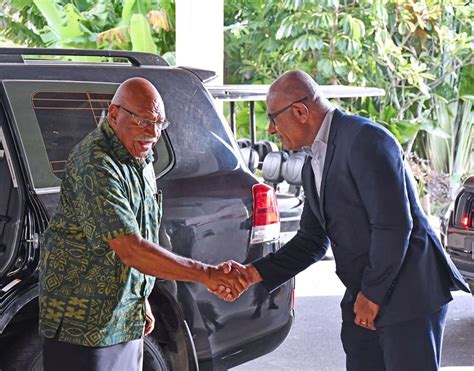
(140, 34)
(437, 132)
(127, 11)
(388, 113)
(72, 28)
(351, 77)
(302, 43)
(20, 4)
(467, 80)
(294, 4)
(358, 29)
(339, 67)
(404, 130)
(54, 16)
(372, 111)
(325, 67)
(284, 31)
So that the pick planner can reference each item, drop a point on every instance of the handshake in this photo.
(230, 279)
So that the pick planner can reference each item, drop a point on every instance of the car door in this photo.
(18, 224)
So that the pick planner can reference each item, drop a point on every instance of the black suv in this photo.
(215, 209)
(459, 239)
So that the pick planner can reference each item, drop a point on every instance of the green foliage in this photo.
(451, 153)
(140, 25)
(417, 51)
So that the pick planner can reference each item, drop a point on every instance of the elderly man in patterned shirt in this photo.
(100, 253)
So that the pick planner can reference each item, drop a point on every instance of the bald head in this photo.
(294, 85)
(296, 109)
(139, 95)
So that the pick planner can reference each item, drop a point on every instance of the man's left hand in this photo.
(149, 318)
(365, 312)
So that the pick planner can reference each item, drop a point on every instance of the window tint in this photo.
(64, 119)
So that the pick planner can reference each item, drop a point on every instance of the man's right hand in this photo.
(243, 275)
(226, 280)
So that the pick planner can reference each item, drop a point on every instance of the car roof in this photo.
(44, 56)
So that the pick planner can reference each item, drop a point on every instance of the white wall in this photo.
(200, 35)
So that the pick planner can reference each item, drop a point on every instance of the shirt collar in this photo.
(118, 148)
(323, 132)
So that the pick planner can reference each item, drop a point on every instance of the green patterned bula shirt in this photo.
(87, 296)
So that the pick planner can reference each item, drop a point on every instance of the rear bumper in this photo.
(460, 247)
(259, 347)
(253, 349)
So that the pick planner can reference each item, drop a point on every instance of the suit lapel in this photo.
(310, 190)
(330, 149)
(327, 162)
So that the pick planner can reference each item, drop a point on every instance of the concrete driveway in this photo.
(313, 342)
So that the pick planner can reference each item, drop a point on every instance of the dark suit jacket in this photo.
(369, 212)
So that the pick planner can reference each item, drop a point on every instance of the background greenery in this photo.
(420, 52)
(139, 25)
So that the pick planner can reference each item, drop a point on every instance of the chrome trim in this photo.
(290, 219)
(49, 190)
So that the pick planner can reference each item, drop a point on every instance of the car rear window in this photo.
(65, 118)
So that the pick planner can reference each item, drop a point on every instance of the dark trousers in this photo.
(60, 356)
(407, 346)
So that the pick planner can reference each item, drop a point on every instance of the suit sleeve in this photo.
(307, 247)
(377, 166)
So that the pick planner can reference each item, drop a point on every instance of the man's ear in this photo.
(112, 115)
(301, 111)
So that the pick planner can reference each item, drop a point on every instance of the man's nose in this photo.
(153, 131)
(271, 128)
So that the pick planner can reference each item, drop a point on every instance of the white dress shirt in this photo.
(318, 149)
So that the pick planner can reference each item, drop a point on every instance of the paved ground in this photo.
(313, 342)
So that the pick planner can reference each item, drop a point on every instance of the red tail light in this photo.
(465, 221)
(265, 208)
(463, 213)
(266, 219)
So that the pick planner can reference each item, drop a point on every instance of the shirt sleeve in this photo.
(102, 205)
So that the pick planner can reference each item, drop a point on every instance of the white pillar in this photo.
(200, 35)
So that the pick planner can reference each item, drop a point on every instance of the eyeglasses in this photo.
(145, 123)
(272, 116)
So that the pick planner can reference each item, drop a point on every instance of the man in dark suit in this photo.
(361, 200)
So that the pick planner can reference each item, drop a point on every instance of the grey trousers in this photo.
(60, 356)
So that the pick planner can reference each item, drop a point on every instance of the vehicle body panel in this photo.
(206, 192)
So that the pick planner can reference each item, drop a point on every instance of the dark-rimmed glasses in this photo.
(144, 123)
(272, 116)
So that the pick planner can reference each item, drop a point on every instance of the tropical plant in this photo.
(415, 50)
(140, 25)
(451, 153)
